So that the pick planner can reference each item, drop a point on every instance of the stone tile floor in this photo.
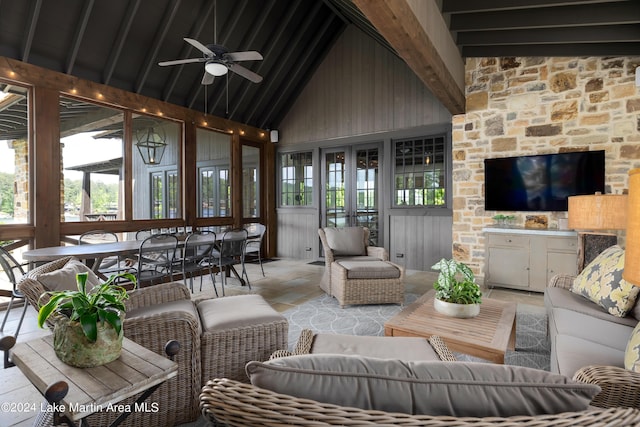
(287, 283)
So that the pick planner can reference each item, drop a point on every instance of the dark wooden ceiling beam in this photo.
(30, 29)
(150, 61)
(461, 6)
(284, 58)
(561, 16)
(589, 34)
(188, 50)
(118, 45)
(79, 35)
(567, 49)
(395, 20)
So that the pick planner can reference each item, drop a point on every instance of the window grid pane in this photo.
(420, 169)
(296, 179)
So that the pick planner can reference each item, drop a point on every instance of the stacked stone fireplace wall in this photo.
(533, 105)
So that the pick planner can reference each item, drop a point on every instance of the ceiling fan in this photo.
(218, 60)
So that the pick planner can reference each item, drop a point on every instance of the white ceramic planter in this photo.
(461, 311)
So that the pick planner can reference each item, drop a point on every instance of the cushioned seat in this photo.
(236, 330)
(367, 282)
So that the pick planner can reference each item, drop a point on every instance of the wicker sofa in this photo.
(238, 404)
(210, 346)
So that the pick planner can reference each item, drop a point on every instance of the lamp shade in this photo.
(215, 68)
(598, 212)
(632, 251)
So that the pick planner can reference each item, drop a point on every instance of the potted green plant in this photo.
(457, 293)
(87, 328)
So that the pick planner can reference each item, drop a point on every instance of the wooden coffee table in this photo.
(487, 336)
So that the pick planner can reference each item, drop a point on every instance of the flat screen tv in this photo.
(541, 182)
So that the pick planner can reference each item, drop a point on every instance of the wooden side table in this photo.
(95, 389)
(487, 336)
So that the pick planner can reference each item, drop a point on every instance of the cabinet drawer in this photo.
(562, 244)
(513, 240)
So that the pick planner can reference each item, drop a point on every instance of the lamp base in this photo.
(590, 245)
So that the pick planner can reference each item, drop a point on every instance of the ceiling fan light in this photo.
(215, 68)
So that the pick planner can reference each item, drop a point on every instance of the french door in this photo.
(350, 177)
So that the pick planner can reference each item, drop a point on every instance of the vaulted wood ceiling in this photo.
(120, 42)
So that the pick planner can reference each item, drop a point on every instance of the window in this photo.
(419, 174)
(91, 150)
(250, 181)
(296, 179)
(164, 194)
(155, 160)
(14, 155)
(214, 178)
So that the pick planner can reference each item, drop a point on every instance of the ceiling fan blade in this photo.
(202, 48)
(247, 74)
(250, 55)
(181, 61)
(207, 78)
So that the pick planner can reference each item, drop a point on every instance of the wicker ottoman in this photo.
(367, 282)
(236, 330)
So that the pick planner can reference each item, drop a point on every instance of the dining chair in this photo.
(109, 265)
(230, 252)
(254, 244)
(156, 258)
(13, 271)
(196, 257)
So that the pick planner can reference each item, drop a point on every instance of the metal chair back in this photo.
(14, 271)
(156, 258)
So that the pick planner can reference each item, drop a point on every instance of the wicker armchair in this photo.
(168, 318)
(620, 387)
(376, 282)
(238, 404)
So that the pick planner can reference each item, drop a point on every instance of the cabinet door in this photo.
(508, 267)
(560, 263)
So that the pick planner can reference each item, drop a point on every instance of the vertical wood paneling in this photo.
(297, 231)
(421, 240)
(360, 88)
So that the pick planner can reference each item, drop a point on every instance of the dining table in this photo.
(93, 254)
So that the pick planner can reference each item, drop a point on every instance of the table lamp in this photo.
(631, 271)
(592, 213)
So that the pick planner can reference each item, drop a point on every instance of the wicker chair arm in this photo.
(238, 404)
(561, 281)
(329, 257)
(620, 387)
(378, 252)
(158, 294)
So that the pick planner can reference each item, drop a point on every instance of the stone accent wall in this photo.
(21, 183)
(534, 105)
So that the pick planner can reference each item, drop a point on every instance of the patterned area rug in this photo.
(323, 314)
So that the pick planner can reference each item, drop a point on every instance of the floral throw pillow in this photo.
(601, 281)
(632, 354)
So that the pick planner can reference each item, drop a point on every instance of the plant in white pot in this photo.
(87, 328)
(457, 293)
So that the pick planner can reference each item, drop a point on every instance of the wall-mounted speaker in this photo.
(274, 136)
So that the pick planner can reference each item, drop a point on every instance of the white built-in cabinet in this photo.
(527, 258)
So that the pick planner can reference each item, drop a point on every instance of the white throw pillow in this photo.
(64, 279)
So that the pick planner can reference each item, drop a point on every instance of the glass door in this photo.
(350, 192)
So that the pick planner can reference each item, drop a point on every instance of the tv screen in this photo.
(541, 182)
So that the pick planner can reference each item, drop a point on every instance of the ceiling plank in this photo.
(397, 23)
